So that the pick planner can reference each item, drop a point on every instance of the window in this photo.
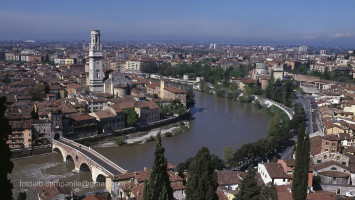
(319, 161)
(333, 144)
(333, 168)
(325, 157)
(326, 143)
(326, 150)
(97, 75)
(343, 163)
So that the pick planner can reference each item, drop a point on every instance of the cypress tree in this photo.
(6, 164)
(249, 188)
(202, 183)
(300, 174)
(158, 187)
(305, 167)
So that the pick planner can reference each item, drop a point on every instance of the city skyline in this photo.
(301, 22)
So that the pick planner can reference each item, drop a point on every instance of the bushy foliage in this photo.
(202, 183)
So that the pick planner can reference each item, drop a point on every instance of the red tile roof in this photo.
(276, 170)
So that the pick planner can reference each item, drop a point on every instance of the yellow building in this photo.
(21, 136)
(171, 93)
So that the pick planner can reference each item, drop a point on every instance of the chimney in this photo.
(145, 169)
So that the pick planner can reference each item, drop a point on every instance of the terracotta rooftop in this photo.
(228, 177)
(105, 114)
(174, 90)
(335, 174)
(316, 145)
(276, 170)
(328, 164)
(284, 193)
(83, 117)
(95, 197)
(48, 192)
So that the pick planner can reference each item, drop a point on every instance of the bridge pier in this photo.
(76, 170)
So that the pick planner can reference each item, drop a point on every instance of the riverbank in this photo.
(31, 152)
(147, 136)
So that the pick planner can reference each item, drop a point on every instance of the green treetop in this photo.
(300, 174)
(158, 187)
(131, 117)
(249, 188)
(202, 183)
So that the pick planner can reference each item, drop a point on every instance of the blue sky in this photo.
(192, 20)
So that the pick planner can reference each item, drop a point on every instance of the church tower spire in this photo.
(95, 63)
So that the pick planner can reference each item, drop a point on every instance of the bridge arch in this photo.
(69, 158)
(100, 178)
(61, 151)
(84, 167)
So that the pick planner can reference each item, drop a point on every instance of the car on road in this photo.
(349, 194)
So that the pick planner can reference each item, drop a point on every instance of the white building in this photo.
(273, 173)
(133, 65)
(95, 63)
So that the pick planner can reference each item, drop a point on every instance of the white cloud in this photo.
(338, 35)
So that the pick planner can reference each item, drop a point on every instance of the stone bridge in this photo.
(85, 159)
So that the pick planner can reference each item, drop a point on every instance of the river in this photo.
(216, 122)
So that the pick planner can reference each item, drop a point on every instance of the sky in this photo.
(274, 21)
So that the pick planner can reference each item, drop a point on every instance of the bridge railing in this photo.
(54, 141)
(96, 153)
(287, 110)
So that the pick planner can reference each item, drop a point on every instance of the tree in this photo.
(37, 92)
(249, 188)
(274, 125)
(217, 163)
(228, 152)
(131, 117)
(202, 183)
(149, 67)
(158, 186)
(6, 164)
(268, 192)
(21, 196)
(190, 97)
(233, 91)
(300, 174)
(181, 167)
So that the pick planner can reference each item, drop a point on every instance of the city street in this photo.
(308, 104)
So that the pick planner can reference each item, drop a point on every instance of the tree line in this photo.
(280, 131)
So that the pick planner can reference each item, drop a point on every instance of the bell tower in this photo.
(95, 63)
